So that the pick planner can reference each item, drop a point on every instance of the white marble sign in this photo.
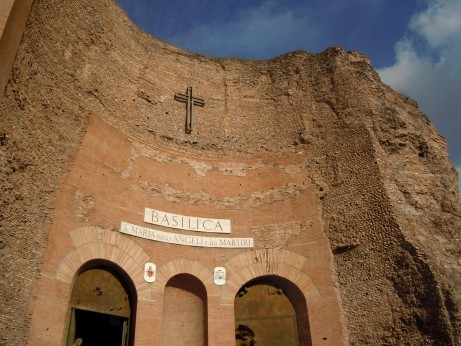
(219, 276)
(188, 223)
(184, 239)
(150, 272)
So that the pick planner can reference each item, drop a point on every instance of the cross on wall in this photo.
(190, 101)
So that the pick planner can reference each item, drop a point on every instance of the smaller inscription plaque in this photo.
(188, 223)
(184, 239)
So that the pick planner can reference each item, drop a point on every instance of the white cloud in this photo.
(405, 75)
(432, 74)
(440, 23)
(253, 32)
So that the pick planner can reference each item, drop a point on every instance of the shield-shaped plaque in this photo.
(150, 271)
(219, 276)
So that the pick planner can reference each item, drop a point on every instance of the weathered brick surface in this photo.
(346, 188)
(13, 18)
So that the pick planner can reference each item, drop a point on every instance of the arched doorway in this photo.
(185, 320)
(102, 306)
(271, 310)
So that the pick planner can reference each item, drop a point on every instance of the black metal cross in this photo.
(191, 101)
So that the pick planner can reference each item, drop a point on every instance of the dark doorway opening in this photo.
(271, 311)
(102, 306)
(96, 329)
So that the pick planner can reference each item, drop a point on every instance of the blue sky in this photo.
(415, 45)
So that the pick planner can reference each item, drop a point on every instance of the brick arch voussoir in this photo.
(256, 263)
(92, 243)
(183, 266)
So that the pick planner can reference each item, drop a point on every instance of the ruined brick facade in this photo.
(345, 187)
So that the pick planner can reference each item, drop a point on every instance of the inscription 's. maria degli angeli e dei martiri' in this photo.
(187, 223)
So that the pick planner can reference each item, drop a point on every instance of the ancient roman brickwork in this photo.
(345, 187)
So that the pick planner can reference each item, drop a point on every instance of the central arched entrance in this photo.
(102, 306)
(270, 311)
